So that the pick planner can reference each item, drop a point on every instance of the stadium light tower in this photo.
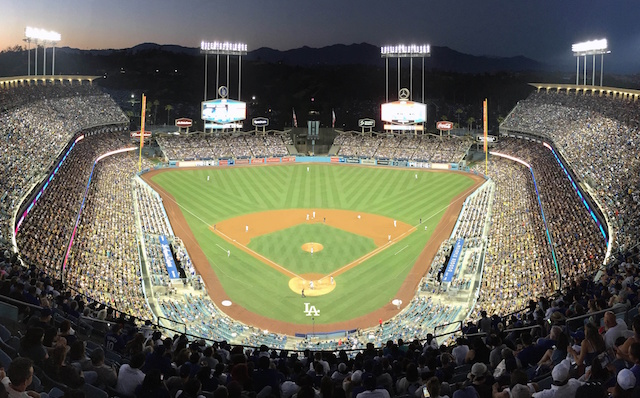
(44, 37)
(222, 48)
(404, 51)
(593, 48)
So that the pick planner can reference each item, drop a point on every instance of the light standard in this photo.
(403, 51)
(44, 37)
(222, 48)
(593, 48)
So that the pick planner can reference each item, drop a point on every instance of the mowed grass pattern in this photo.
(285, 248)
(234, 191)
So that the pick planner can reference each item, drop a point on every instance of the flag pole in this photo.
(144, 107)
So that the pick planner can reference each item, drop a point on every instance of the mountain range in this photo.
(442, 58)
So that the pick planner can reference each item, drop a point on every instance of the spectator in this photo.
(130, 376)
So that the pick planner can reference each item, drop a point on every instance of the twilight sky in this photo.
(540, 29)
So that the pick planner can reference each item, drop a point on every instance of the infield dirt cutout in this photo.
(384, 232)
(312, 247)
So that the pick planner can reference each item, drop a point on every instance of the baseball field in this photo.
(353, 238)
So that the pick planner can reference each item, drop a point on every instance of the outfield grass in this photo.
(234, 191)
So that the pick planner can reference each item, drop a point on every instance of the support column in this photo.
(206, 73)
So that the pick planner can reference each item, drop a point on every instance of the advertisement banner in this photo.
(401, 163)
(368, 161)
(335, 159)
(440, 166)
(223, 162)
(383, 162)
(273, 160)
(243, 161)
(453, 261)
(257, 161)
(287, 159)
(168, 258)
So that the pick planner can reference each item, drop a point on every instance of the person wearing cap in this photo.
(340, 374)
(625, 383)
(480, 380)
(352, 384)
(563, 385)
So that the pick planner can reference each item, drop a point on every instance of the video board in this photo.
(224, 111)
(404, 112)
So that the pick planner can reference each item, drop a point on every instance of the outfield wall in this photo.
(316, 159)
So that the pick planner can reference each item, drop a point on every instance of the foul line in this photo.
(258, 255)
(223, 249)
(401, 249)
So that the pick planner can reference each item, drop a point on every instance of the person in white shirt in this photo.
(562, 385)
(614, 328)
(130, 376)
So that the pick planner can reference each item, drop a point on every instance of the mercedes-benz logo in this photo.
(223, 91)
(404, 93)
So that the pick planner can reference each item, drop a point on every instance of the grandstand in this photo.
(556, 216)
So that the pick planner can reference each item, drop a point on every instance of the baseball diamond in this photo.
(269, 218)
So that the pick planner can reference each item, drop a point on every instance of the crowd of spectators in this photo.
(37, 122)
(598, 136)
(104, 263)
(152, 214)
(199, 146)
(518, 258)
(427, 148)
(578, 243)
(43, 237)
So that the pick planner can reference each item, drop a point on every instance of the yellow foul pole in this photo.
(485, 125)
(144, 108)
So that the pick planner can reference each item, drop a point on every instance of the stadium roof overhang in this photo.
(589, 89)
(44, 80)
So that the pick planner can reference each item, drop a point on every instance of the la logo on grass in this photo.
(311, 310)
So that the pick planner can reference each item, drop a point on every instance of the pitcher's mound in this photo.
(312, 245)
(321, 284)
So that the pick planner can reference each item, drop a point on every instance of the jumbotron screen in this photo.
(404, 112)
(224, 111)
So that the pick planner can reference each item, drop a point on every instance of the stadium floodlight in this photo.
(410, 51)
(223, 48)
(593, 48)
(401, 50)
(41, 34)
(590, 47)
(44, 37)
